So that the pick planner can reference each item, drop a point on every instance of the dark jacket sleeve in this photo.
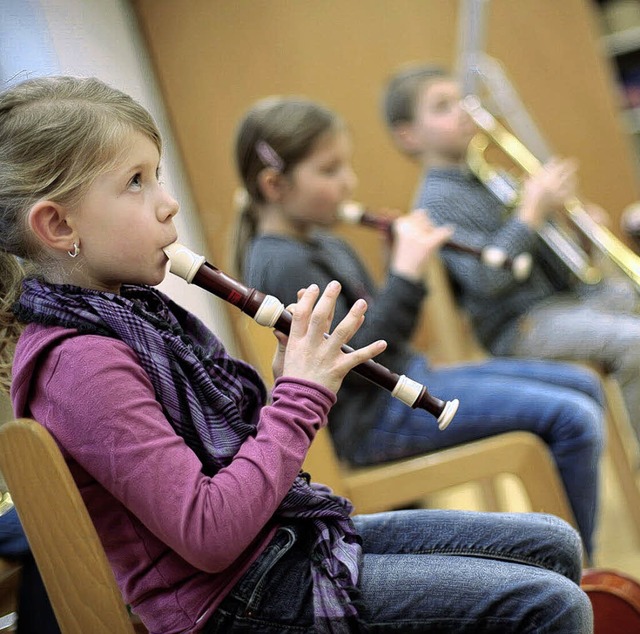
(282, 268)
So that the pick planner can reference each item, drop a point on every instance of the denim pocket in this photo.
(244, 599)
(280, 545)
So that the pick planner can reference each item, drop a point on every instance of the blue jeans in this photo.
(427, 571)
(35, 615)
(597, 325)
(559, 402)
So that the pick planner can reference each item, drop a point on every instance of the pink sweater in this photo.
(176, 539)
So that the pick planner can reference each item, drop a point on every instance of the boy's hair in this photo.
(287, 126)
(402, 90)
(57, 134)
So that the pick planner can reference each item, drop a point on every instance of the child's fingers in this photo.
(281, 337)
(277, 362)
(349, 325)
(324, 310)
(441, 234)
(361, 355)
(302, 311)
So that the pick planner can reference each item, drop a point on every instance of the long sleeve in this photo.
(123, 440)
(281, 267)
(177, 540)
(493, 296)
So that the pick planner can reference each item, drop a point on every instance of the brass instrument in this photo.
(567, 249)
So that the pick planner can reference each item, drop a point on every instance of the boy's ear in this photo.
(405, 137)
(271, 183)
(48, 221)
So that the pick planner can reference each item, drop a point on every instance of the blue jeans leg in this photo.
(427, 571)
(560, 403)
(453, 571)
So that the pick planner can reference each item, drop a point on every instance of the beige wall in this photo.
(214, 58)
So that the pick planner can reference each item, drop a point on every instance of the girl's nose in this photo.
(352, 179)
(169, 207)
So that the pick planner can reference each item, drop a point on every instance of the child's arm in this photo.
(474, 213)
(109, 421)
(116, 431)
(392, 313)
(546, 191)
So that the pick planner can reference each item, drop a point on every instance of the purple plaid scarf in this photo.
(213, 402)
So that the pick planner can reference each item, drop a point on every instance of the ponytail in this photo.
(11, 275)
(246, 228)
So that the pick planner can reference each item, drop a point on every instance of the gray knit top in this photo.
(493, 297)
(280, 266)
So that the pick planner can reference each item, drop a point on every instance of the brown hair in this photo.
(402, 89)
(57, 134)
(288, 126)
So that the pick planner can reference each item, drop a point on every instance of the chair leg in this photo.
(622, 447)
(540, 478)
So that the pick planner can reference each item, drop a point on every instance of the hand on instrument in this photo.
(416, 238)
(307, 353)
(547, 190)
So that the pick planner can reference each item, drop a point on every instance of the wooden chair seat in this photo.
(402, 482)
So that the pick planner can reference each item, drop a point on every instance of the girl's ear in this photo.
(271, 183)
(48, 221)
(404, 136)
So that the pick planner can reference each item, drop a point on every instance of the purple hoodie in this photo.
(177, 540)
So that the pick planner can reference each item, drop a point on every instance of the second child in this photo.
(549, 315)
(294, 159)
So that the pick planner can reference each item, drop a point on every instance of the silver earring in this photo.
(75, 252)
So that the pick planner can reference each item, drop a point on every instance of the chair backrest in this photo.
(64, 542)
(452, 338)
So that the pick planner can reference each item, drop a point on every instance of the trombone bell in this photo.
(507, 188)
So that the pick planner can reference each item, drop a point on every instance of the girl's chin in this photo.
(331, 221)
(153, 279)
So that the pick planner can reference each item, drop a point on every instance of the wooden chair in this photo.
(401, 482)
(454, 342)
(64, 542)
(9, 569)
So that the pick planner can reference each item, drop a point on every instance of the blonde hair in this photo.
(289, 127)
(57, 134)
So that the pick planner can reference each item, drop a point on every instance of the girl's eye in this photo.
(331, 169)
(136, 181)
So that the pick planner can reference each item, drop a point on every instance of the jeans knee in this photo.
(585, 425)
(568, 609)
(563, 544)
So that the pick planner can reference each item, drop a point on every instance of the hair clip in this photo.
(269, 156)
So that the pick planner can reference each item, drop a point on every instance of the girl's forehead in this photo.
(133, 147)
(331, 140)
(439, 87)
